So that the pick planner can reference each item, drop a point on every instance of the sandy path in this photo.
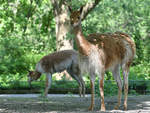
(33, 103)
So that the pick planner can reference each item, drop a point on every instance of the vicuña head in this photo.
(75, 17)
(33, 75)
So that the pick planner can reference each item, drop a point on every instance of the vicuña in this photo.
(101, 52)
(58, 62)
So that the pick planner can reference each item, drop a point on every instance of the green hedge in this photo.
(110, 87)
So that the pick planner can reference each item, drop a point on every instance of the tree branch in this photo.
(29, 14)
(61, 2)
(57, 6)
(88, 8)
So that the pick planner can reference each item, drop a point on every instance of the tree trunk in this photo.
(62, 28)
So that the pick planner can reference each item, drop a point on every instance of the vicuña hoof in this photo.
(125, 108)
(116, 107)
(90, 108)
(103, 109)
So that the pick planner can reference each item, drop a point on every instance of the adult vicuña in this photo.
(58, 62)
(102, 52)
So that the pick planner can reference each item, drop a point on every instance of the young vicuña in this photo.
(101, 52)
(58, 62)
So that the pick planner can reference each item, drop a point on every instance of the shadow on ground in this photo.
(69, 104)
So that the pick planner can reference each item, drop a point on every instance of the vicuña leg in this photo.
(48, 83)
(125, 75)
(101, 87)
(116, 73)
(92, 84)
(83, 86)
(76, 77)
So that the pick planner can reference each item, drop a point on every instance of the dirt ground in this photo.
(71, 103)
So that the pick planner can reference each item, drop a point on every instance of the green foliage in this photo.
(140, 72)
(13, 55)
(27, 32)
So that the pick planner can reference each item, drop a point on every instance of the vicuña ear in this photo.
(30, 71)
(81, 8)
(70, 9)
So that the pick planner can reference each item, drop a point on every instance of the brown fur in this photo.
(48, 62)
(112, 45)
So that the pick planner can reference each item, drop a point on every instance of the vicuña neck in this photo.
(82, 43)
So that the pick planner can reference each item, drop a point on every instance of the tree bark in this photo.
(87, 8)
(62, 25)
(62, 28)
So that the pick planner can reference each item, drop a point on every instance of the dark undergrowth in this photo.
(64, 86)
